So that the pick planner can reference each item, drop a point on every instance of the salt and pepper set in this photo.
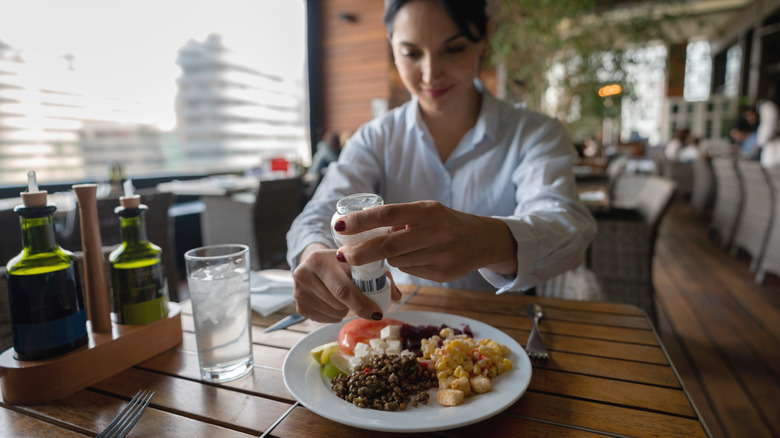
(48, 311)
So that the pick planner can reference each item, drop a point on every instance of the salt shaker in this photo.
(371, 277)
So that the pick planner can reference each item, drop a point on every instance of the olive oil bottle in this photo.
(139, 290)
(48, 314)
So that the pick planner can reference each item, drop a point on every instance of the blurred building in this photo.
(136, 147)
(50, 123)
(232, 116)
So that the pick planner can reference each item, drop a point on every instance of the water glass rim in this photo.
(239, 249)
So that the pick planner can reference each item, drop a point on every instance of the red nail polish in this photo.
(340, 257)
(340, 226)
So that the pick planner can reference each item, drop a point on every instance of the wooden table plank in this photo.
(265, 381)
(12, 421)
(466, 298)
(607, 418)
(660, 375)
(92, 412)
(302, 422)
(595, 347)
(510, 426)
(592, 331)
(617, 392)
(511, 307)
(224, 407)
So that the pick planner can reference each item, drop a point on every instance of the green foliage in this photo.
(577, 46)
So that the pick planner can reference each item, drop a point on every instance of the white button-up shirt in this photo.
(514, 165)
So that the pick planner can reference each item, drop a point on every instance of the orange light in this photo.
(610, 90)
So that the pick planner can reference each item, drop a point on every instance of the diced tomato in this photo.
(428, 363)
(361, 330)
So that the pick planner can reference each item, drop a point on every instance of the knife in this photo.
(285, 322)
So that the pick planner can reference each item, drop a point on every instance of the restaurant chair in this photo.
(278, 203)
(615, 169)
(703, 188)
(228, 219)
(260, 220)
(682, 174)
(621, 254)
(578, 284)
(770, 261)
(6, 338)
(755, 214)
(728, 200)
(11, 241)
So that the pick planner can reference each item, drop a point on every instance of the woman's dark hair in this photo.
(464, 13)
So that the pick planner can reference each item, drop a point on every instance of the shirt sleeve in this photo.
(551, 226)
(358, 170)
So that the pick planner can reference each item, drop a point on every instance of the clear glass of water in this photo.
(218, 279)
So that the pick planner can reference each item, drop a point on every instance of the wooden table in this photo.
(608, 374)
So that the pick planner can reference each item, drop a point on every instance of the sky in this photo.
(127, 49)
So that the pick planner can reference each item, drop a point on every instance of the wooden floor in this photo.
(721, 330)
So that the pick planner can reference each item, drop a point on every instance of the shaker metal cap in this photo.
(358, 202)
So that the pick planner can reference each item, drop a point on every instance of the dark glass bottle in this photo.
(139, 290)
(48, 315)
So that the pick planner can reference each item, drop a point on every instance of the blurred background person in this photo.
(675, 145)
(769, 125)
(745, 137)
(328, 151)
(690, 151)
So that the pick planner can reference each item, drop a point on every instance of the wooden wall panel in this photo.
(356, 62)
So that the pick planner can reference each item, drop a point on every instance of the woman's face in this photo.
(435, 61)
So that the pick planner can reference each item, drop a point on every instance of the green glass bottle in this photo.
(139, 290)
(48, 314)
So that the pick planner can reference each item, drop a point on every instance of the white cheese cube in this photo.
(378, 345)
(393, 346)
(390, 332)
(362, 350)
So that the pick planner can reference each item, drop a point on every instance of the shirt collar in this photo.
(487, 121)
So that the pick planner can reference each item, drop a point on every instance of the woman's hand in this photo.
(324, 290)
(431, 241)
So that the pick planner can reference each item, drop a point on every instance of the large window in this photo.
(698, 71)
(158, 86)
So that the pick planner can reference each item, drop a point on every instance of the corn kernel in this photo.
(507, 364)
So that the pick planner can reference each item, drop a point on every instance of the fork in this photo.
(535, 345)
(126, 419)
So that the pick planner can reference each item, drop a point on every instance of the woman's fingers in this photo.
(397, 216)
(403, 242)
(324, 291)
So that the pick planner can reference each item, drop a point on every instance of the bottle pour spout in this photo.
(33, 197)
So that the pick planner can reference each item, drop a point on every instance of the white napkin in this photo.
(271, 290)
(593, 196)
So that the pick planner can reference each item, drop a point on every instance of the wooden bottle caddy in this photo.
(106, 354)
(111, 349)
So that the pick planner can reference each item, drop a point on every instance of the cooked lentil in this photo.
(386, 383)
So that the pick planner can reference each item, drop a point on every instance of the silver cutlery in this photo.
(285, 322)
(121, 425)
(535, 346)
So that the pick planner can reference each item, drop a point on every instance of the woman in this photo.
(480, 194)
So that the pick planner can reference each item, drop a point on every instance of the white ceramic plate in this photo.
(304, 381)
